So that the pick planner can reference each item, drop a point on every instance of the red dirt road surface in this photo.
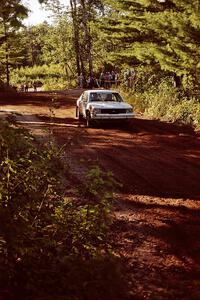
(157, 226)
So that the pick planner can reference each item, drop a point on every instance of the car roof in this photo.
(102, 91)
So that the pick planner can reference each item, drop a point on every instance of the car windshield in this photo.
(114, 97)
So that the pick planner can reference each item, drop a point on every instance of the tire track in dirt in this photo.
(143, 165)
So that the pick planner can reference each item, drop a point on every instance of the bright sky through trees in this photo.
(37, 12)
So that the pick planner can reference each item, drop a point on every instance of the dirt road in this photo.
(157, 227)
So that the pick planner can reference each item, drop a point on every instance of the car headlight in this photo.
(129, 110)
(95, 110)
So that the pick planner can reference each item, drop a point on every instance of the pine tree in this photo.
(164, 33)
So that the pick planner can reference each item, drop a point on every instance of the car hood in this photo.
(109, 104)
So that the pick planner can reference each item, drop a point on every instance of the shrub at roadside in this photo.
(163, 101)
(186, 112)
(52, 246)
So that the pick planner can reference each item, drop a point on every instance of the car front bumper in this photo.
(111, 116)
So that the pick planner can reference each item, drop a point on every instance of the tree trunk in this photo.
(88, 38)
(73, 5)
(7, 55)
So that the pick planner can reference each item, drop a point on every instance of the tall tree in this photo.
(89, 10)
(76, 30)
(82, 12)
(12, 12)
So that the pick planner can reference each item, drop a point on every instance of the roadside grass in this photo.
(165, 102)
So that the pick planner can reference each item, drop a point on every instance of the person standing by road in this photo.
(101, 79)
(81, 80)
(26, 87)
(34, 86)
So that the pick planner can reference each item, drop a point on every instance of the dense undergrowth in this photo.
(157, 97)
(53, 245)
(50, 77)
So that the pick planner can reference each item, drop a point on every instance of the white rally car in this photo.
(98, 105)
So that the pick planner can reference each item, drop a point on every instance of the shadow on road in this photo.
(148, 157)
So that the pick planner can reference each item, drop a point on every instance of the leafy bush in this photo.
(191, 85)
(159, 100)
(52, 246)
(155, 100)
(148, 77)
(186, 112)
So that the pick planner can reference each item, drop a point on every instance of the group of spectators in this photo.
(105, 80)
(24, 87)
(108, 79)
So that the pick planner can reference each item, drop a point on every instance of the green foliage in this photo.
(51, 77)
(38, 72)
(51, 84)
(166, 102)
(48, 44)
(186, 112)
(48, 55)
(99, 184)
(36, 50)
(52, 245)
(163, 34)
(153, 91)
(157, 97)
(12, 13)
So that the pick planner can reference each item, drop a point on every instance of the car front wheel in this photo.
(78, 115)
(89, 122)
